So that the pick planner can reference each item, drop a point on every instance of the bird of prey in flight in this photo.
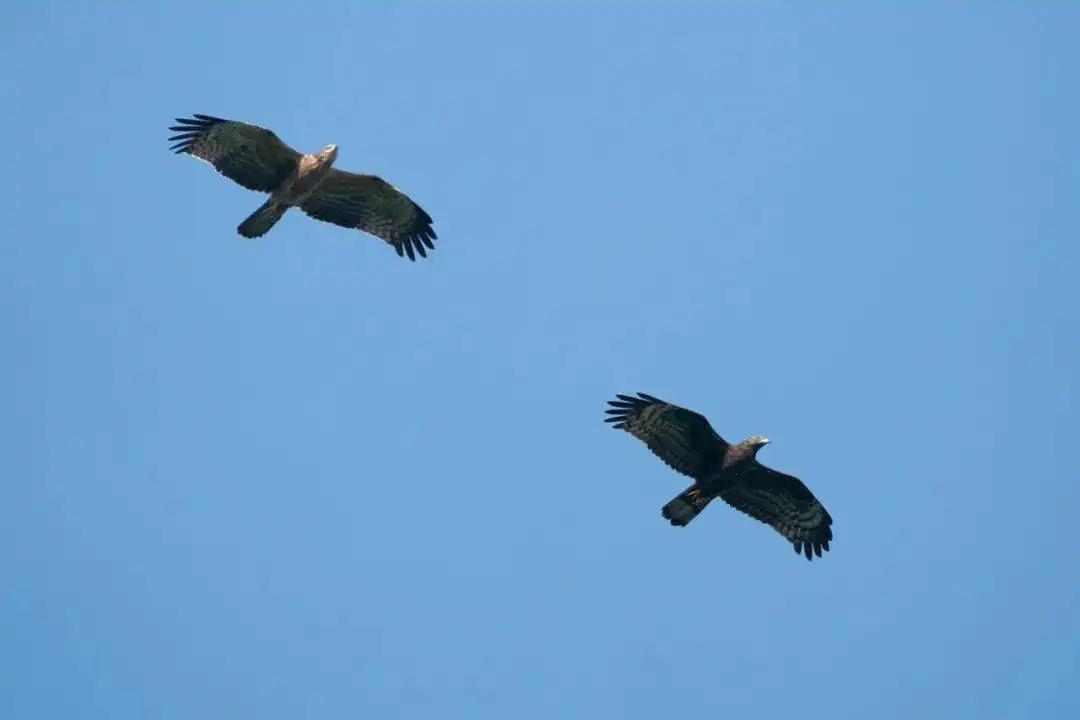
(686, 442)
(257, 159)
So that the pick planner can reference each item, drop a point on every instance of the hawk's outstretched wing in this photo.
(783, 502)
(246, 154)
(681, 438)
(374, 206)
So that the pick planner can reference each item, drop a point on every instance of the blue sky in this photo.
(301, 477)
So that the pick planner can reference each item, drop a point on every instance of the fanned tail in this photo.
(686, 506)
(260, 221)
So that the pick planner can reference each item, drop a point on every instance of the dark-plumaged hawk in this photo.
(257, 159)
(686, 442)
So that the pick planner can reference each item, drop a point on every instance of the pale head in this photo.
(329, 153)
(756, 442)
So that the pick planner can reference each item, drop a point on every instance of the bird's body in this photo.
(302, 182)
(737, 459)
(257, 159)
(686, 442)
(309, 174)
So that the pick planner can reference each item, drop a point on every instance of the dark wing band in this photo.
(375, 206)
(683, 439)
(786, 504)
(249, 155)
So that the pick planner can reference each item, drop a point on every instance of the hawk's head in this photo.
(329, 153)
(756, 442)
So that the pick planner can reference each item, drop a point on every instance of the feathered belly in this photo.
(301, 184)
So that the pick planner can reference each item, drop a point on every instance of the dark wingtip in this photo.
(626, 406)
(619, 411)
(421, 235)
(191, 129)
(421, 232)
(414, 242)
(641, 400)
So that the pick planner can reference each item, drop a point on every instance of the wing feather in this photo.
(375, 206)
(682, 438)
(784, 503)
(249, 155)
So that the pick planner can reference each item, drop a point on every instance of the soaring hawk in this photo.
(686, 442)
(257, 159)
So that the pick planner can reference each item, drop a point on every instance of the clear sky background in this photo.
(301, 477)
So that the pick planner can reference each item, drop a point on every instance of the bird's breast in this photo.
(306, 180)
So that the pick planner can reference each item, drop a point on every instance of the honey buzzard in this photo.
(257, 159)
(686, 442)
